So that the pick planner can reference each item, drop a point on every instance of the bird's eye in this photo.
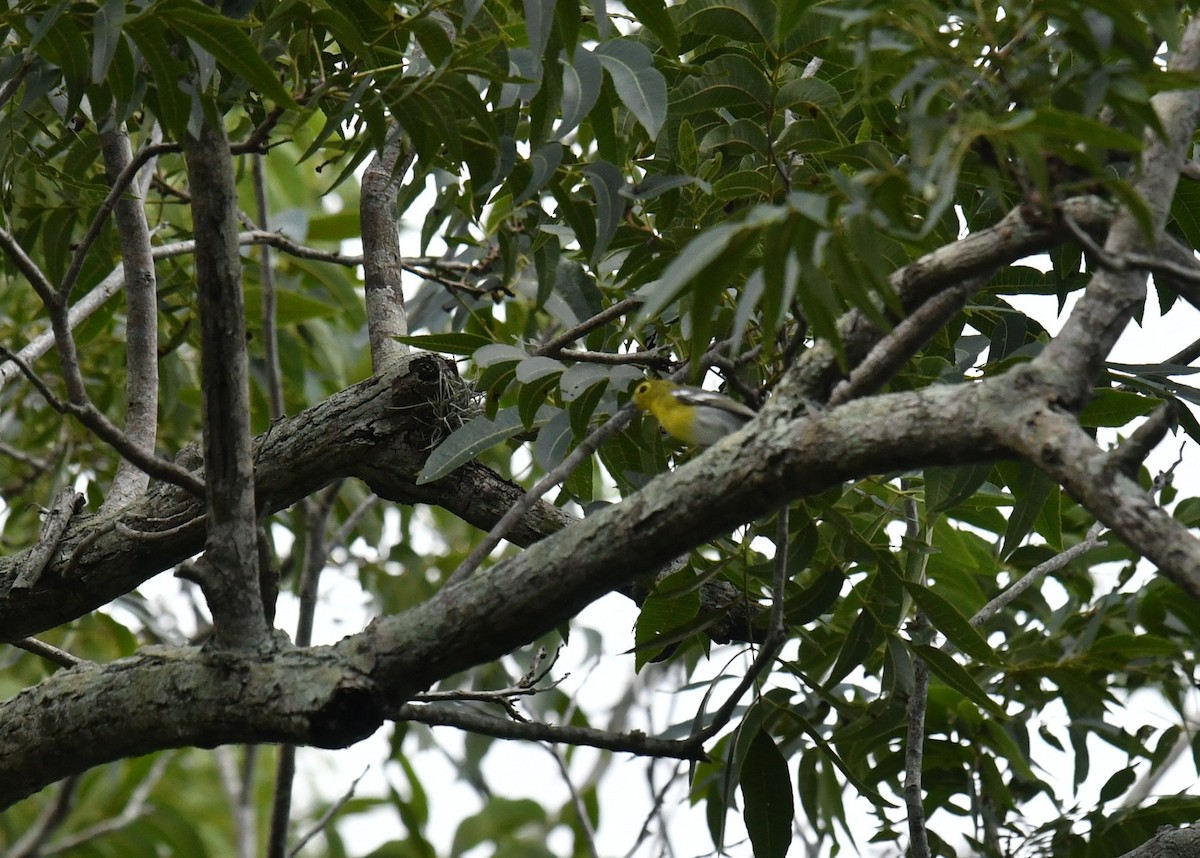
(643, 387)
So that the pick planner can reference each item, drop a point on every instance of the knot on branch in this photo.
(352, 713)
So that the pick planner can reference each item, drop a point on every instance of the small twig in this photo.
(103, 428)
(1129, 455)
(25, 264)
(24, 458)
(342, 536)
(894, 350)
(50, 652)
(654, 358)
(327, 816)
(270, 327)
(119, 184)
(567, 337)
(634, 742)
(581, 810)
(53, 815)
(133, 810)
(1035, 574)
(1101, 258)
(151, 535)
(914, 753)
(316, 551)
(655, 811)
(66, 504)
(518, 510)
(775, 638)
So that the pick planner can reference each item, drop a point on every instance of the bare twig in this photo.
(914, 745)
(585, 327)
(133, 810)
(635, 742)
(104, 429)
(119, 186)
(581, 810)
(316, 552)
(270, 329)
(891, 353)
(327, 816)
(50, 652)
(66, 504)
(1128, 457)
(655, 358)
(1036, 574)
(53, 815)
(518, 510)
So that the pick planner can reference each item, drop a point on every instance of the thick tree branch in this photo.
(228, 571)
(1074, 358)
(379, 430)
(386, 317)
(141, 326)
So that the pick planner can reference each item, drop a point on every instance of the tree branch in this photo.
(141, 326)
(386, 317)
(228, 570)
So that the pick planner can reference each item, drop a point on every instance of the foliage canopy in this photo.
(826, 208)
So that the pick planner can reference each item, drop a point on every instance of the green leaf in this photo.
(1031, 489)
(1116, 785)
(862, 640)
(468, 441)
(607, 183)
(106, 35)
(767, 791)
(640, 86)
(553, 442)
(947, 487)
(1113, 408)
(652, 14)
(947, 620)
(658, 619)
(227, 41)
(956, 676)
(433, 39)
(581, 80)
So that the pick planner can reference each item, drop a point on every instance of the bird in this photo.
(691, 414)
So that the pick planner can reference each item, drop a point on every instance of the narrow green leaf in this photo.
(652, 14)
(451, 344)
(607, 183)
(956, 676)
(433, 39)
(553, 441)
(1113, 408)
(1116, 786)
(539, 20)
(468, 442)
(543, 163)
(767, 790)
(1030, 488)
(947, 620)
(579, 379)
(106, 35)
(658, 618)
(862, 639)
(947, 487)
(494, 353)
(581, 80)
(640, 86)
(228, 42)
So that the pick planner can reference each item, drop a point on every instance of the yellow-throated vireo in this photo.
(692, 415)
